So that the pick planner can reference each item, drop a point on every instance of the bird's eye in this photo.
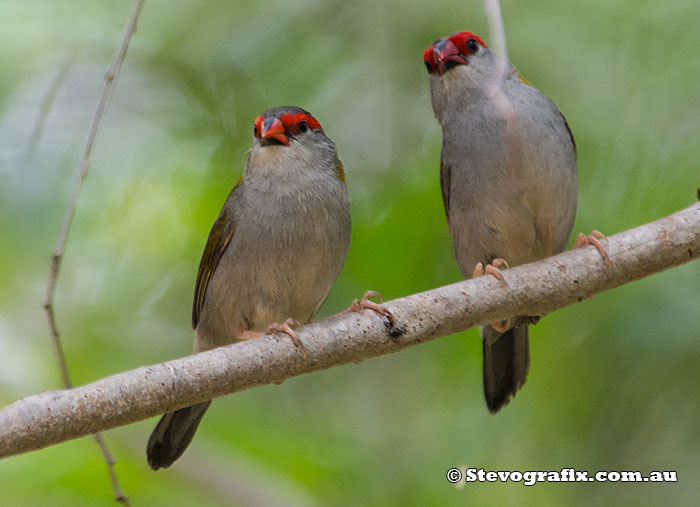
(472, 45)
(428, 66)
(302, 127)
(255, 131)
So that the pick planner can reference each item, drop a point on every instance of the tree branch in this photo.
(534, 289)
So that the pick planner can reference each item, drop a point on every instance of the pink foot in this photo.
(366, 304)
(592, 239)
(286, 328)
(492, 269)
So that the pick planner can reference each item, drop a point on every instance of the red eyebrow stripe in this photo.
(462, 37)
(290, 119)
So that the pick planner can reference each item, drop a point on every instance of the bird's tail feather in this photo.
(506, 363)
(173, 434)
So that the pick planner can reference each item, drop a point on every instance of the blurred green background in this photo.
(614, 382)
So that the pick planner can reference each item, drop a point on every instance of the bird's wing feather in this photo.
(219, 238)
(445, 173)
(571, 134)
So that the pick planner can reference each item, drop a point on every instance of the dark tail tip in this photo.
(173, 434)
(506, 364)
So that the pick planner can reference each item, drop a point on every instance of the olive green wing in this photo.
(219, 238)
(445, 175)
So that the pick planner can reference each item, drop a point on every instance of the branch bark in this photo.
(534, 289)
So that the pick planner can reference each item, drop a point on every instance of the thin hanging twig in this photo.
(57, 257)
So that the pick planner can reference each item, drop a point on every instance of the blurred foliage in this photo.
(614, 382)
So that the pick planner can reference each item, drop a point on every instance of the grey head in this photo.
(459, 67)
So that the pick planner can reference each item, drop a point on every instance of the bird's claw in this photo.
(492, 269)
(593, 239)
(502, 326)
(366, 304)
(286, 328)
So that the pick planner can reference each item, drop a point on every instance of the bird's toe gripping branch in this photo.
(493, 270)
(367, 304)
(287, 328)
(593, 239)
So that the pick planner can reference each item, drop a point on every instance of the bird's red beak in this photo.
(273, 130)
(444, 52)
